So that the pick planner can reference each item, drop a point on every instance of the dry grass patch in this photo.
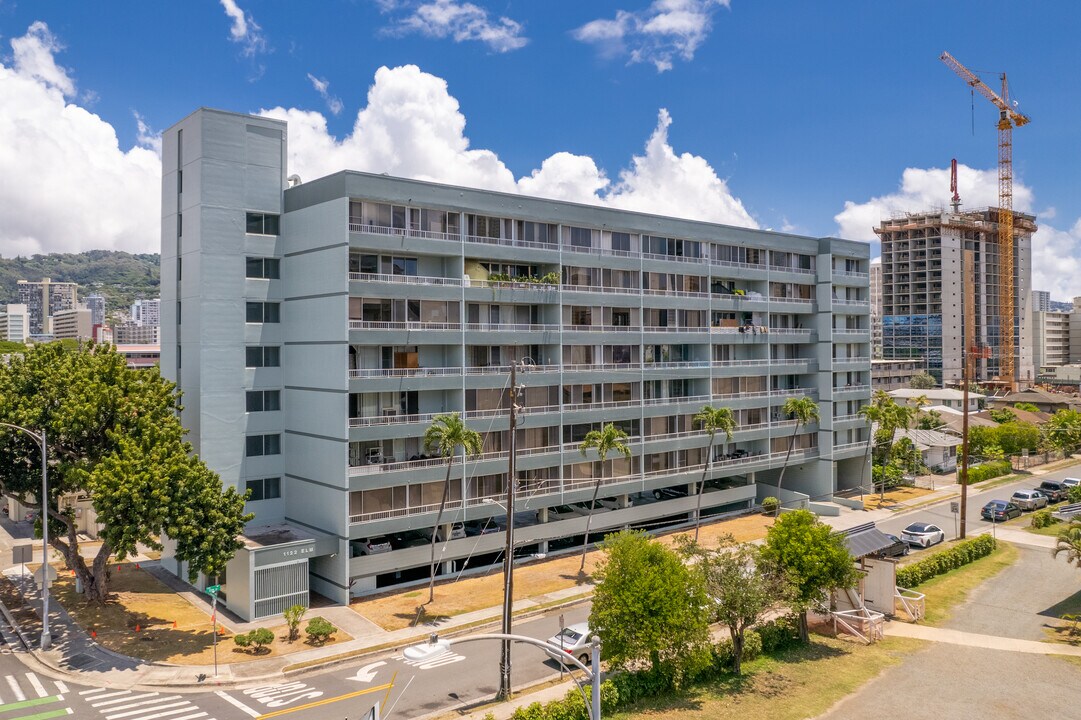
(146, 619)
(407, 608)
(894, 497)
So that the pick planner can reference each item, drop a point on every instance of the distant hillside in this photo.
(119, 277)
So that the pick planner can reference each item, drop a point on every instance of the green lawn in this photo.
(797, 684)
(945, 592)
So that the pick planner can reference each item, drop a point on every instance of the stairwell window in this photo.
(262, 224)
(263, 400)
(263, 312)
(264, 489)
(257, 356)
(258, 445)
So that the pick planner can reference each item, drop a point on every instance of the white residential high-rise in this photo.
(146, 312)
(876, 308)
(96, 303)
(14, 323)
(1041, 301)
(44, 299)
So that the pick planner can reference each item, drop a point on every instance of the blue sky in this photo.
(780, 112)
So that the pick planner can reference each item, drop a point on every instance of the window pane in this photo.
(255, 401)
(255, 487)
(253, 357)
(272, 268)
(271, 312)
(273, 444)
(270, 224)
(272, 488)
(272, 356)
(253, 268)
(253, 445)
(254, 312)
(272, 400)
(255, 223)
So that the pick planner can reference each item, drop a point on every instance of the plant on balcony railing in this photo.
(551, 278)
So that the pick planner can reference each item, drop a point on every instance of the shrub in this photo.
(988, 470)
(723, 657)
(770, 504)
(294, 614)
(319, 630)
(961, 554)
(1043, 518)
(779, 634)
(634, 686)
(1073, 495)
(257, 639)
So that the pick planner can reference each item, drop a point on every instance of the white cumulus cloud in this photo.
(1056, 261)
(413, 127)
(656, 35)
(461, 21)
(66, 183)
(322, 86)
(244, 30)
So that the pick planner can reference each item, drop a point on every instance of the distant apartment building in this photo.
(876, 308)
(131, 333)
(73, 324)
(922, 290)
(146, 312)
(44, 299)
(317, 329)
(140, 357)
(1041, 301)
(14, 323)
(96, 303)
(1051, 338)
(893, 374)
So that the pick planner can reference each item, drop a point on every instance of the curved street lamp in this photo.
(39, 437)
(436, 647)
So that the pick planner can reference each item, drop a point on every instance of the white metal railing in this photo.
(673, 329)
(846, 418)
(850, 273)
(862, 444)
(585, 367)
(863, 359)
(509, 242)
(513, 284)
(797, 270)
(673, 258)
(602, 328)
(607, 289)
(571, 407)
(398, 325)
(407, 279)
(911, 602)
(600, 251)
(511, 327)
(675, 293)
(864, 623)
(391, 419)
(367, 226)
(856, 303)
(852, 388)
(801, 301)
(738, 265)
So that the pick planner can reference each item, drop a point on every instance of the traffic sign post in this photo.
(955, 508)
(212, 591)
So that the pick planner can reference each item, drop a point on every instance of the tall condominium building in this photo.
(922, 284)
(146, 312)
(1050, 339)
(73, 324)
(96, 303)
(1041, 302)
(317, 330)
(44, 299)
(876, 308)
(14, 323)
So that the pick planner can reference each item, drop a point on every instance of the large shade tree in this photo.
(444, 436)
(607, 440)
(803, 410)
(712, 420)
(113, 434)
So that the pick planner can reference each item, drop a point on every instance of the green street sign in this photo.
(212, 589)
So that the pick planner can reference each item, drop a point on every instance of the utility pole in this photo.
(508, 555)
(968, 340)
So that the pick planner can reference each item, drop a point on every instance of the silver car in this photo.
(1029, 499)
(573, 640)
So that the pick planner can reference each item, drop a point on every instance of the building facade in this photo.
(72, 324)
(1041, 301)
(922, 290)
(44, 299)
(96, 303)
(15, 323)
(1050, 339)
(893, 374)
(130, 333)
(318, 330)
(146, 312)
(876, 308)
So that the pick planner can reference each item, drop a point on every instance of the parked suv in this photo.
(1054, 490)
(1029, 499)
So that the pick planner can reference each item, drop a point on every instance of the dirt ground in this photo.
(404, 608)
(894, 497)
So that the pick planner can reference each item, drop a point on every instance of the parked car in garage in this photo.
(369, 546)
(486, 526)
(922, 534)
(1029, 499)
(1000, 510)
(899, 548)
(670, 493)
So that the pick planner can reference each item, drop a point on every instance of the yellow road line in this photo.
(327, 701)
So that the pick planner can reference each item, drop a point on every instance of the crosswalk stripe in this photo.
(192, 717)
(61, 687)
(112, 713)
(170, 712)
(95, 691)
(36, 684)
(237, 704)
(19, 695)
(29, 703)
(129, 698)
(183, 705)
(113, 694)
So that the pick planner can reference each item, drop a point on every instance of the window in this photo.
(256, 445)
(258, 356)
(179, 181)
(180, 224)
(266, 268)
(177, 312)
(179, 269)
(262, 224)
(264, 489)
(264, 400)
(621, 241)
(263, 312)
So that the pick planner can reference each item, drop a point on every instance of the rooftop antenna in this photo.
(955, 201)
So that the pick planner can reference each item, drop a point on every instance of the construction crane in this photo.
(1008, 118)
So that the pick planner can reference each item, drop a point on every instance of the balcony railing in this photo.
(853, 303)
(396, 325)
(852, 388)
(368, 226)
(511, 327)
(407, 279)
(847, 418)
(849, 273)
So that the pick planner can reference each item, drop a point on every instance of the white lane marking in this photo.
(237, 704)
(36, 684)
(61, 687)
(368, 672)
(129, 697)
(95, 691)
(109, 695)
(15, 688)
(114, 712)
(282, 694)
(186, 717)
(182, 706)
(446, 658)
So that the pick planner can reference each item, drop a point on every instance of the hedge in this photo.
(961, 554)
(988, 470)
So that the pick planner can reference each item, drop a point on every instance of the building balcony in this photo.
(851, 391)
(403, 325)
(369, 226)
(406, 279)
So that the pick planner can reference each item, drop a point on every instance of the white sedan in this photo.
(922, 535)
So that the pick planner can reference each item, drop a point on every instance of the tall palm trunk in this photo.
(435, 530)
(589, 521)
(780, 480)
(701, 487)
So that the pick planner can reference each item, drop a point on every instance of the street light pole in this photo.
(508, 555)
(46, 637)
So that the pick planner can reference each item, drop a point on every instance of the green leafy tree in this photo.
(1026, 406)
(712, 420)
(741, 588)
(444, 436)
(813, 559)
(886, 417)
(930, 420)
(1003, 415)
(647, 607)
(114, 434)
(257, 640)
(906, 456)
(923, 381)
(804, 410)
(1063, 430)
(294, 615)
(607, 440)
(1069, 542)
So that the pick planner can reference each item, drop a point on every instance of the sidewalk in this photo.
(75, 655)
(990, 642)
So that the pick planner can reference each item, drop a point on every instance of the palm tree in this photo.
(711, 420)
(444, 436)
(1069, 542)
(608, 439)
(804, 410)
